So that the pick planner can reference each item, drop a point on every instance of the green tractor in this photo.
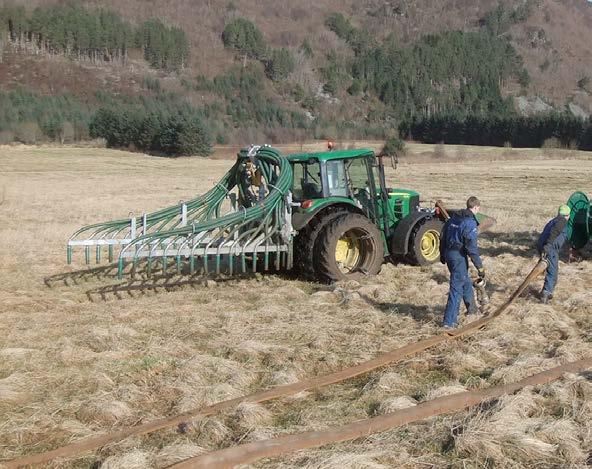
(348, 221)
(328, 215)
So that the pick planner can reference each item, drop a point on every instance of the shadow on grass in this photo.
(135, 287)
(420, 313)
(141, 280)
(84, 275)
(517, 243)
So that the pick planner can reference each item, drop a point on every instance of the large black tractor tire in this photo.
(424, 242)
(349, 246)
(305, 242)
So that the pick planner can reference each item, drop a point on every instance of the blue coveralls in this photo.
(459, 242)
(551, 245)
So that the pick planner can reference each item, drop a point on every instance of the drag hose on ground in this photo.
(389, 358)
(250, 452)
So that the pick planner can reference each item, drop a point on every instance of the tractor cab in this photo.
(350, 177)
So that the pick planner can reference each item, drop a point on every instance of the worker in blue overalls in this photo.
(549, 244)
(459, 242)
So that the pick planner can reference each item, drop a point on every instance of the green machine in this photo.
(580, 221)
(329, 215)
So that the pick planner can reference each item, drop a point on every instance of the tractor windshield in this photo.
(307, 181)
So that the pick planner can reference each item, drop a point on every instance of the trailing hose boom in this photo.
(229, 228)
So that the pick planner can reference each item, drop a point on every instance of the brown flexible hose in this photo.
(391, 357)
(250, 452)
(440, 205)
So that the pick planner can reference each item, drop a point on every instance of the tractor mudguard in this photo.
(301, 218)
(400, 241)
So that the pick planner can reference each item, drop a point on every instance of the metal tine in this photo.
(268, 234)
(171, 242)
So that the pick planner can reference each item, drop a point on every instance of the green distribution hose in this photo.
(117, 232)
(259, 229)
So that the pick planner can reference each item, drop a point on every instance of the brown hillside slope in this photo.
(554, 41)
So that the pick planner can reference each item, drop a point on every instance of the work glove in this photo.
(544, 256)
(481, 273)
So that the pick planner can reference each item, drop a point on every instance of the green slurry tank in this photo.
(580, 221)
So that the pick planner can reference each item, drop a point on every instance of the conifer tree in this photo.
(244, 37)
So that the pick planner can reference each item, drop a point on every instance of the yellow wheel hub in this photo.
(347, 252)
(430, 245)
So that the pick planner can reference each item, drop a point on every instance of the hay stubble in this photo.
(72, 368)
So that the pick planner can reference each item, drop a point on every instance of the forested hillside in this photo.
(241, 71)
(93, 34)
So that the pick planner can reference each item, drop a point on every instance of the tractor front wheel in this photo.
(349, 246)
(424, 243)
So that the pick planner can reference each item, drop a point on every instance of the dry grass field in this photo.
(82, 353)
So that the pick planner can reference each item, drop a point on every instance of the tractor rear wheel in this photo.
(304, 246)
(349, 246)
(424, 242)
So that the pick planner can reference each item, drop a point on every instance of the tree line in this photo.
(563, 129)
(443, 88)
(30, 118)
(447, 87)
(96, 35)
(162, 124)
(449, 71)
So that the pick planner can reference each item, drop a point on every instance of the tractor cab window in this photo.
(307, 181)
(357, 171)
(360, 184)
(336, 180)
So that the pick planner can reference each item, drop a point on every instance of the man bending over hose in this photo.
(549, 245)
